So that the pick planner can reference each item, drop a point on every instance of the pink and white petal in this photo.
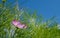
(15, 22)
(25, 27)
(20, 26)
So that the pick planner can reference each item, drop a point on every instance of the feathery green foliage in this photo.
(37, 28)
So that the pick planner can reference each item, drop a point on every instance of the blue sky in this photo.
(48, 8)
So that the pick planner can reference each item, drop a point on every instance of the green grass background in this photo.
(37, 27)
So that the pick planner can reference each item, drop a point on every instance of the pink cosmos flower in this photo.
(18, 24)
